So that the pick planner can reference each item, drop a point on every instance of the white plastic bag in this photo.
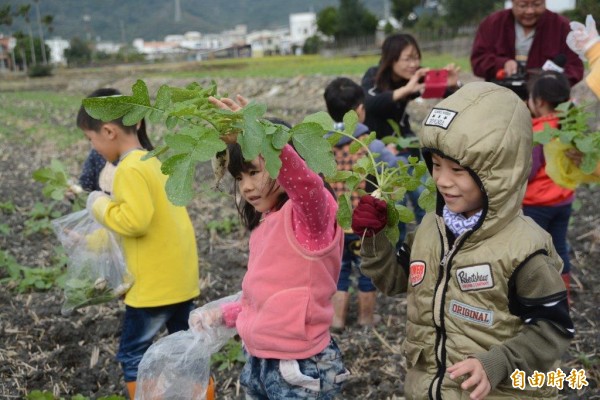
(177, 367)
(96, 270)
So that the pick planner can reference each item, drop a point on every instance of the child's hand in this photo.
(574, 155)
(203, 319)
(369, 217)
(477, 377)
(228, 104)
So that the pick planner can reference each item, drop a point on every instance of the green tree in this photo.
(327, 21)
(6, 17)
(584, 7)
(350, 19)
(78, 53)
(28, 47)
(23, 12)
(462, 12)
(402, 8)
(355, 20)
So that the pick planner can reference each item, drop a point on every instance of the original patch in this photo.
(472, 314)
(475, 277)
(440, 117)
(417, 272)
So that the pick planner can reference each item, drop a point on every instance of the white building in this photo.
(302, 26)
(108, 47)
(57, 50)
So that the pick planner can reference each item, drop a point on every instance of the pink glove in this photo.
(582, 38)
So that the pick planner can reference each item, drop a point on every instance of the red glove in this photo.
(369, 217)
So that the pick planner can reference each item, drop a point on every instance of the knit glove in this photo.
(369, 217)
(582, 38)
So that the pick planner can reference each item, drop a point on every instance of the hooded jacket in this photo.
(494, 292)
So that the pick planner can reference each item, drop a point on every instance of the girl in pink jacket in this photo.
(285, 310)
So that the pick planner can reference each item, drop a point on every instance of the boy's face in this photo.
(459, 190)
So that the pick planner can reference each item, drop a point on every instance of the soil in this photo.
(41, 349)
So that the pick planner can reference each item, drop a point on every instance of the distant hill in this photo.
(154, 19)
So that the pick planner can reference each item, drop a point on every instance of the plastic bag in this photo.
(177, 367)
(561, 169)
(96, 270)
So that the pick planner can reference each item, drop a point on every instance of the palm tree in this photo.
(39, 21)
(23, 11)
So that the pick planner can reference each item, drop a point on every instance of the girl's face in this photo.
(104, 142)
(407, 64)
(256, 187)
(459, 190)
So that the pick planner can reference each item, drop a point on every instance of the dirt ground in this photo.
(41, 349)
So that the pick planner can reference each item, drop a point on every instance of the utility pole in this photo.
(177, 11)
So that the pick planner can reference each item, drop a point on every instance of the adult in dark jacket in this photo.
(528, 34)
(394, 82)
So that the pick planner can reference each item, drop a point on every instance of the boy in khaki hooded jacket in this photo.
(484, 293)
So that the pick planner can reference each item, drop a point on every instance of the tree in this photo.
(584, 7)
(327, 21)
(5, 15)
(462, 12)
(354, 20)
(27, 45)
(23, 12)
(78, 53)
(351, 19)
(402, 8)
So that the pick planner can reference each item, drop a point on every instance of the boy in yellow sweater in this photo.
(157, 237)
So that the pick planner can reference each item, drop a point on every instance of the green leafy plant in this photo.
(83, 287)
(7, 207)
(23, 278)
(575, 131)
(228, 356)
(58, 186)
(40, 217)
(202, 129)
(4, 229)
(225, 225)
(46, 395)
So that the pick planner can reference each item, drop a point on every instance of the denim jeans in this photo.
(140, 326)
(555, 221)
(317, 377)
(350, 260)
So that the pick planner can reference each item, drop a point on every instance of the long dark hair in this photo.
(248, 214)
(391, 49)
(86, 122)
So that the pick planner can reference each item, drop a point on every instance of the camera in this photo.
(518, 82)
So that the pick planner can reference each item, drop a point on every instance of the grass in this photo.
(30, 117)
(288, 67)
(44, 115)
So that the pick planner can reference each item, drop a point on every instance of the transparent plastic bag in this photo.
(177, 367)
(96, 270)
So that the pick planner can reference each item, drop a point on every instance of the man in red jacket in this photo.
(529, 35)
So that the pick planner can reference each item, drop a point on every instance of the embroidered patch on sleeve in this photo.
(417, 272)
(472, 314)
(440, 117)
(475, 277)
